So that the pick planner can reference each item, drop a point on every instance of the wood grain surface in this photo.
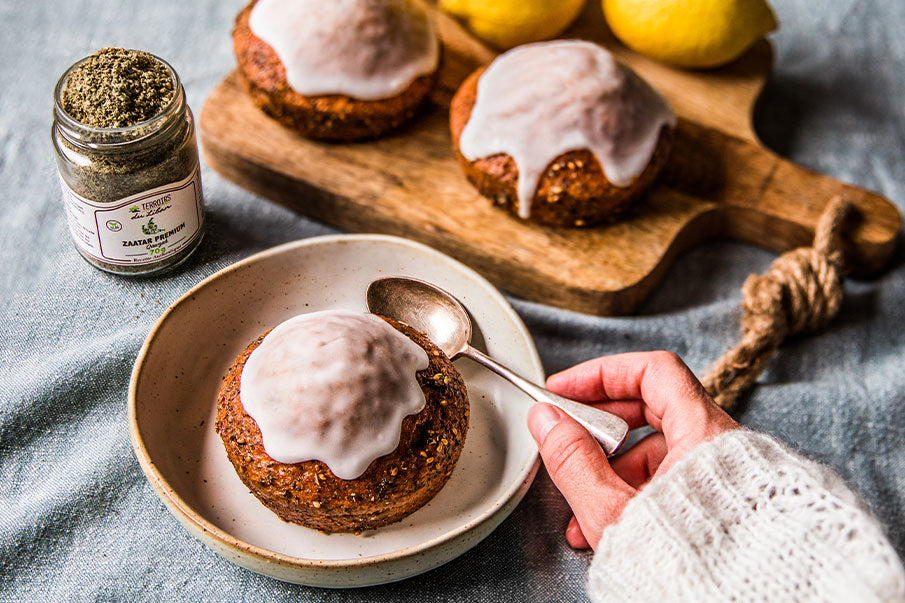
(719, 182)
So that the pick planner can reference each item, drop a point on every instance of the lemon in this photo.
(689, 33)
(508, 23)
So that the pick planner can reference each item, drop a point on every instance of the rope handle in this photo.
(801, 292)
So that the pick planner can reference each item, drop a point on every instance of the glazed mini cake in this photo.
(339, 70)
(560, 133)
(343, 422)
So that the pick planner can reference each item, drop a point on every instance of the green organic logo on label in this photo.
(134, 209)
(150, 227)
(114, 226)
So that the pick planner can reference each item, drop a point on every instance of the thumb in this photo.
(580, 470)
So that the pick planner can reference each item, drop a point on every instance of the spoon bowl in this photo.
(424, 307)
(445, 321)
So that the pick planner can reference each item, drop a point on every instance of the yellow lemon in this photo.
(508, 23)
(689, 33)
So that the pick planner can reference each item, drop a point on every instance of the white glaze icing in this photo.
(541, 100)
(366, 49)
(332, 386)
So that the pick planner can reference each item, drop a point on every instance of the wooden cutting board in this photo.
(720, 182)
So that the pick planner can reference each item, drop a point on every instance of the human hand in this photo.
(644, 388)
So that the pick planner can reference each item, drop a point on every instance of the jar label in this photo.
(139, 229)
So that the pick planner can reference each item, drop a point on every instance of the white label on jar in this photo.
(140, 229)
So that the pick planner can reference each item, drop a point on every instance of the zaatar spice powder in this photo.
(128, 162)
(117, 88)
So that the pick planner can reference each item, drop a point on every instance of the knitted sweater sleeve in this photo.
(742, 518)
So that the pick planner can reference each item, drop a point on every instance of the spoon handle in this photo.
(607, 428)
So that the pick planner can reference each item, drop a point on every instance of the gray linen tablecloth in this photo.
(79, 522)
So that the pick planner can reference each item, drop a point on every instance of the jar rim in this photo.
(83, 134)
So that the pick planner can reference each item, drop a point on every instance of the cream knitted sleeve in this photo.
(742, 518)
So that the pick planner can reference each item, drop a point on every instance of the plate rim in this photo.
(189, 517)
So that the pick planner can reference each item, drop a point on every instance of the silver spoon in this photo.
(444, 320)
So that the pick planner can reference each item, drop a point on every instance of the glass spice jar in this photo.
(132, 194)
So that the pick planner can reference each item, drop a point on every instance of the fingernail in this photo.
(541, 420)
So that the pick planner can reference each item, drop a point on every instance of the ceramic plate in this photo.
(172, 405)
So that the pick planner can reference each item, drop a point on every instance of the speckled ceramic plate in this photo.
(172, 405)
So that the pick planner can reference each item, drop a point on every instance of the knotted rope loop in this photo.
(801, 292)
